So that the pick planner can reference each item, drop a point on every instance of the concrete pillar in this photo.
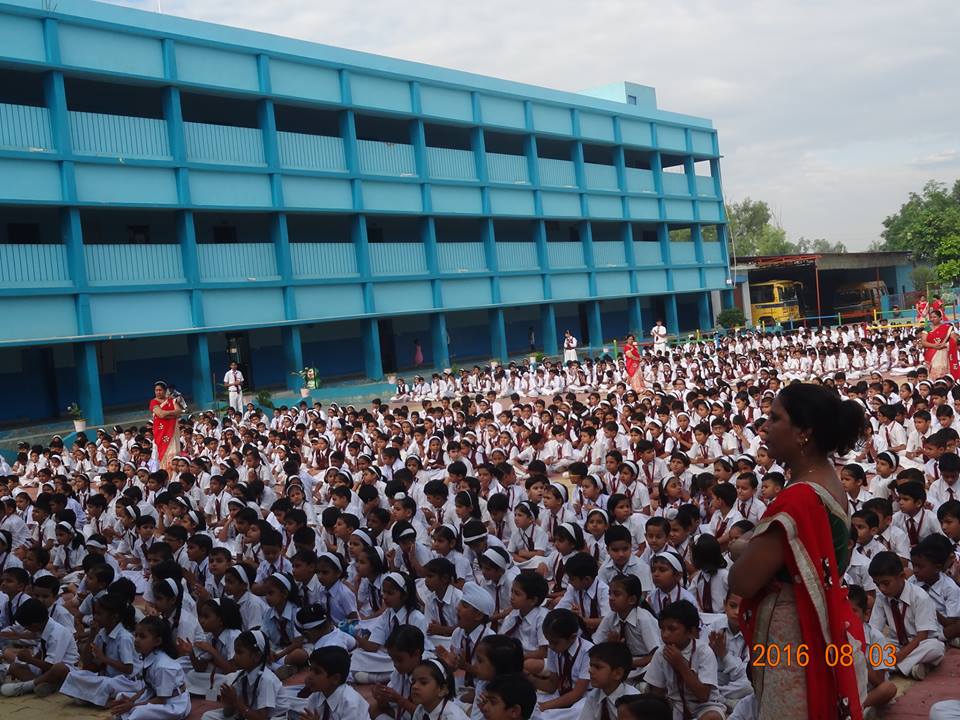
(88, 382)
(594, 324)
(372, 359)
(672, 321)
(548, 330)
(498, 335)
(201, 378)
(292, 355)
(438, 336)
(634, 316)
(705, 317)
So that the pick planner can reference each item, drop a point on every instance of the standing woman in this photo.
(789, 571)
(940, 348)
(165, 413)
(631, 361)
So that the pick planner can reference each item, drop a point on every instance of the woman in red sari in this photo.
(939, 343)
(788, 573)
(631, 361)
(165, 412)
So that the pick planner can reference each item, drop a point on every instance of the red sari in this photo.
(812, 609)
(164, 432)
(631, 361)
(946, 361)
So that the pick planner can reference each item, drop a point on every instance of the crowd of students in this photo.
(514, 542)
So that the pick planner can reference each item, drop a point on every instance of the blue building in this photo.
(174, 194)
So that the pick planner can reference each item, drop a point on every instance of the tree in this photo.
(819, 245)
(924, 223)
(747, 221)
(923, 275)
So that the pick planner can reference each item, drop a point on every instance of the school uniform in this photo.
(594, 602)
(99, 687)
(944, 593)
(446, 710)
(500, 591)
(659, 599)
(534, 538)
(634, 566)
(280, 627)
(597, 547)
(528, 629)
(858, 572)
(732, 667)
(917, 526)
(259, 689)
(380, 628)
(252, 610)
(895, 539)
(163, 678)
(703, 662)
(710, 590)
(466, 644)
(940, 492)
(401, 684)
(593, 703)
(900, 619)
(206, 683)
(344, 702)
(57, 644)
(638, 629)
(570, 667)
(720, 524)
(340, 602)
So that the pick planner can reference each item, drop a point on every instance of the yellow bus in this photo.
(775, 301)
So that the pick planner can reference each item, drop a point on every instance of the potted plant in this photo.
(311, 380)
(79, 421)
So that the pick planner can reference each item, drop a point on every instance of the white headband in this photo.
(397, 580)
(496, 558)
(259, 639)
(334, 558)
(283, 580)
(671, 559)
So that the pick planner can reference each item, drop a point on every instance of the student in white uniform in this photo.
(212, 657)
(569, 347)
(164, 694)
(111, 665)
(233, 379)
(562, 694)
(253, 692)
(434, 689)
(41, 672)
(331, 697)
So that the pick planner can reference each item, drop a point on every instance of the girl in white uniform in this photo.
(561, 696)
(253, 693)
(434, 690)
(164, 693)
(402, 608)
(212, 657)
(111, 665)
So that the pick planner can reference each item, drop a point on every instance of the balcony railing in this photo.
(311, 152)
(25, 127)
(131, 264)
(384, 158)
(33, 266)
(120, 135)
(461, 257)
(323, 259)
(451, 164)
(223, 144)
(237, 262)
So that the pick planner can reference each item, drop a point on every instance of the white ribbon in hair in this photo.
(496, 558)
(397, 580)
(283, 580)
(671, 559)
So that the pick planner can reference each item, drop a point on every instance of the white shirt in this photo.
(593, 702)
(344, 702)
(702, 661)
(233, 379)
(917, 609)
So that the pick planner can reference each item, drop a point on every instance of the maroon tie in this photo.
(902, 637)
(440, 616)
(913, 531)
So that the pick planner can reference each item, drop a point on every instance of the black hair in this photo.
(885, 564)
(648, 707)
(561, 623)
(615, 654)
(834, 425)
(162, 587)
(316, 613)
(204, 542)
(868, 516)
(505, 653)
(334, 661)
(727, 493)
(498, 502)
(707, 554)
(617, 533)
(411, 600)
(516, 691)
(683, 611)
(118, 606)
(857, 596)
(441, 567)
(533, 584)
(951, 508)
(405, 638)
(160, 629)
(444, 677)
(528, 508)
(913, 490)
(936, 548)
(581, 565)
(21, 576)
(226, 609)
(882, 506)
(248, 640)
(31, 612)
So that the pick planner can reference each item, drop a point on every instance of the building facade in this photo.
(175, 194)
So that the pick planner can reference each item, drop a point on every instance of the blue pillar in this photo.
(498, 335)
(727, 299)
(438, 336)
(548, 330)
(88, 382)
(634, 316)
(705, 316)
(372, 360)
(292, 355)
(672, 322)
(594, 324)
(201, 377)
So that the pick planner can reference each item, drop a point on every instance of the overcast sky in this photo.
(830, 111)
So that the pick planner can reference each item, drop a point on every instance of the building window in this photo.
(138, 234)
(23, 233)
(224, 234)
(631, 99)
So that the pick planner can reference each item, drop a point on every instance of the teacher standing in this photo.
(165, 411)
(789, 571)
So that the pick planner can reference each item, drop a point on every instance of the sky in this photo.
(832, 112)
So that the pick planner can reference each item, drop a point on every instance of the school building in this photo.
(175, 194)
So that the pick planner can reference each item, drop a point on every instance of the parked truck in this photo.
(857, 302)
(775, 302)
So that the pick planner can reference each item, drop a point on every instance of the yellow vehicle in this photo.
(775, 302)
(857, 302)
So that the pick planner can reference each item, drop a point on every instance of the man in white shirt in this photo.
(659, 334)
(233, 379)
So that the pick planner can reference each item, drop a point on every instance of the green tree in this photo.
(747, 221)
(925, 223)
(819, 245)
(923, 275)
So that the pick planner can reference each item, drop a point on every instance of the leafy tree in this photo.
(819, 245)
(922, 276)
(747, 221)
(773, 241)
(925, 223)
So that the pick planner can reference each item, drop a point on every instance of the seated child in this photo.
(610, 664)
